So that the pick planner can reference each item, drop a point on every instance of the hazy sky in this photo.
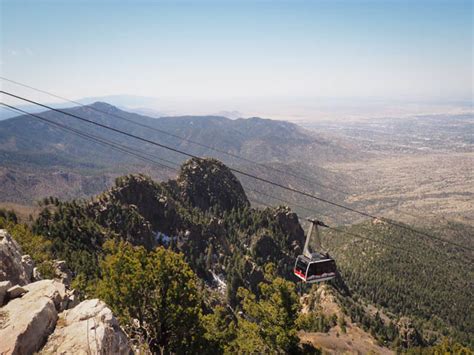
(232, 50)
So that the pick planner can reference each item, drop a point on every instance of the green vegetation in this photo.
(446, 347)
(73, 237)
(155, 294)
(313, 322)
(114, 244)
(155, 252)
(8, 216)
(432, 284)
(271, 316)
(385, 332)
(259, 324)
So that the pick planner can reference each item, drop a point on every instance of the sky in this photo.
(282, 58)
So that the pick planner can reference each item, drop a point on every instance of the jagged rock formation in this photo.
(290, 225)
(139, 206)
(29, 313)
(204, 214)
(28, 320)
(264, 247)
(63, 273)
(207, 183)
(15, 291)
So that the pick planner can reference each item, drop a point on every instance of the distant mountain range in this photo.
(30, 146)
(417, 165)
(261, 140)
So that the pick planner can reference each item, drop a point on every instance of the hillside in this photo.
(243, 257)
(345, 335)
(431, 283)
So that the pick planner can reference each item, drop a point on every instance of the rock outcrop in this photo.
(142, 198)
(207, 183)
(45, 317)
(14, 267)
(345, 337)
(291, 227)
(264, 247)
(15, 291)
(89, 328)
(28, 320)
(63, 273)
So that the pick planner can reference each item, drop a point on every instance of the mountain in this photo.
(243, 258)
(258, 139)
(31, 147)
(414, 169)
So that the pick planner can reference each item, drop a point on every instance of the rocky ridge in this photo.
(207, 183)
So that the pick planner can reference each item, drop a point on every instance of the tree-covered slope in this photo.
(422, 279)
(204, 213)
(237, 262)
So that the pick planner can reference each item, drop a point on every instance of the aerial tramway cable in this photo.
(232, 155)
(111, 144)
(300, 176)
(139, 154)
(243, 173)
(236, 156)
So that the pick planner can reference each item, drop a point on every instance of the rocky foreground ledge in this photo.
(45, 316)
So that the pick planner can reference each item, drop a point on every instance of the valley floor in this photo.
(412, 185)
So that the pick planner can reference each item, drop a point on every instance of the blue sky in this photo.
(231, 50)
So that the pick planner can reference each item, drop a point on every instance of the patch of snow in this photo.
(219, 280)
(162, 238)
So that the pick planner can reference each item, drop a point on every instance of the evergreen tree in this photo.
(269, 321)
(158, 290)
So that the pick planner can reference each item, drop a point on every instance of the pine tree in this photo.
(159, 290)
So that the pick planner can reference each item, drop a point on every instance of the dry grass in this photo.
(354, 341)
(22, 211)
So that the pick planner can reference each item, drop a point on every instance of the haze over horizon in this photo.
(288, 60)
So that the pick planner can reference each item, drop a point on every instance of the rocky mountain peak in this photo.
(207, 183)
